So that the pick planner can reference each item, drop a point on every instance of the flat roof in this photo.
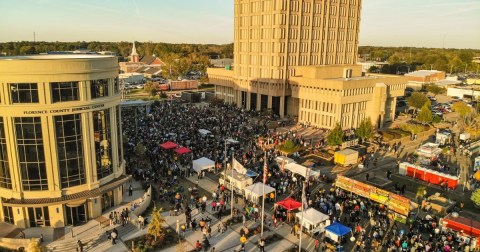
(56, 57)
(422, 73)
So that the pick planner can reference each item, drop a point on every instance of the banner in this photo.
(344, 183)
(238, 167)
(361, 189)
(379, 195)
(399, 204)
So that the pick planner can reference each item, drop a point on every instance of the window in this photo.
(116, 85)
(103, 143)
(24, 92)
(8, 214)
(31, 156)
(64, 91)
(70, 149)
(99, 88)
(5, 178)
(119, 135)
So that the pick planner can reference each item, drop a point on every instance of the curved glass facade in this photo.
(31, 155)
(69, 138)
(5, 179)
(59, 129)
(103, 143)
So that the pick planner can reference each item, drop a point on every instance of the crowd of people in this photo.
(179, 123)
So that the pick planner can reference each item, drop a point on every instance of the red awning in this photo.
(468, 226)
(182, 150)
(289, 204)
(169, 145)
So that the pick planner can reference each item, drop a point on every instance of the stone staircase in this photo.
(93, 240)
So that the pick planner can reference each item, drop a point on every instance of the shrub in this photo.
(476, 197)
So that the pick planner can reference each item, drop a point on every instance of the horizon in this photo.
(409, 23)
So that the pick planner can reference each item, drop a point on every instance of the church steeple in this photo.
(134, 56)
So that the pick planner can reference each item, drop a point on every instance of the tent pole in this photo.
(265, 171)
(303, 209)
(231, 189)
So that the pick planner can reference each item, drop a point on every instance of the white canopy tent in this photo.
(204, 132)
(280, 159)
(203, 164)
(313, 220)
(301, 170)
(232, 141)
(255, 191)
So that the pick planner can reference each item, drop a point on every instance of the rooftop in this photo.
(422, 73)
(56, 57)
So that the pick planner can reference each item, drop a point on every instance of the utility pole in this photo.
(307, 173)
(231, 189)
(34, 40)
(265, 172)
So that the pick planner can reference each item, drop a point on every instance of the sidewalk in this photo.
(92, 233)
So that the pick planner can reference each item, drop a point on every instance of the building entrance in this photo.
(107, 200)
(75, 215)
(38, 216)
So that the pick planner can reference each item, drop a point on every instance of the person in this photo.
(22, 235)
(113, 235)
(367, 176)
(206, 244)
(198, 246)
(41, 238)
(261, 244)
(130, 190)
(80, 246)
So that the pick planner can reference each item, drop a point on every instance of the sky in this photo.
(420, 23)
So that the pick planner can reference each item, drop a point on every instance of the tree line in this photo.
(404, 59)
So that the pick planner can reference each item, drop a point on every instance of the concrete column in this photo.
(118, 196)
(238, 96)
(269, 103)
(282, 106)
(94, 207)
(248, 100)
(259, 101)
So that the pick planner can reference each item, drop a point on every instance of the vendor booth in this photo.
(289, 204)
(466, 227)
(443, 137)
(255, 191)
(285, 160)
(169, 145)
(428, 175)
(182, 150)
(203, 164)
(301, 170)
(239, 180)
(428, 153)
(336, 231)
(313, 221)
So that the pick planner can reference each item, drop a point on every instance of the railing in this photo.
(147, 199)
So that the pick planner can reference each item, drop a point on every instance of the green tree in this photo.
(140, 150)
(462, 109)
(425, 115)
(417, 100)
(476, 197)
(365, 129)
(35, 246)
(156, 225)
(336, 136)
(28, 49)
(163, 95)
(151, 88)
(434, 89)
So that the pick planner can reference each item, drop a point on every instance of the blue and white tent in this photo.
(336, 230)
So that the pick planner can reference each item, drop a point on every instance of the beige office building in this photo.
(297, 58)
(61, 159)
